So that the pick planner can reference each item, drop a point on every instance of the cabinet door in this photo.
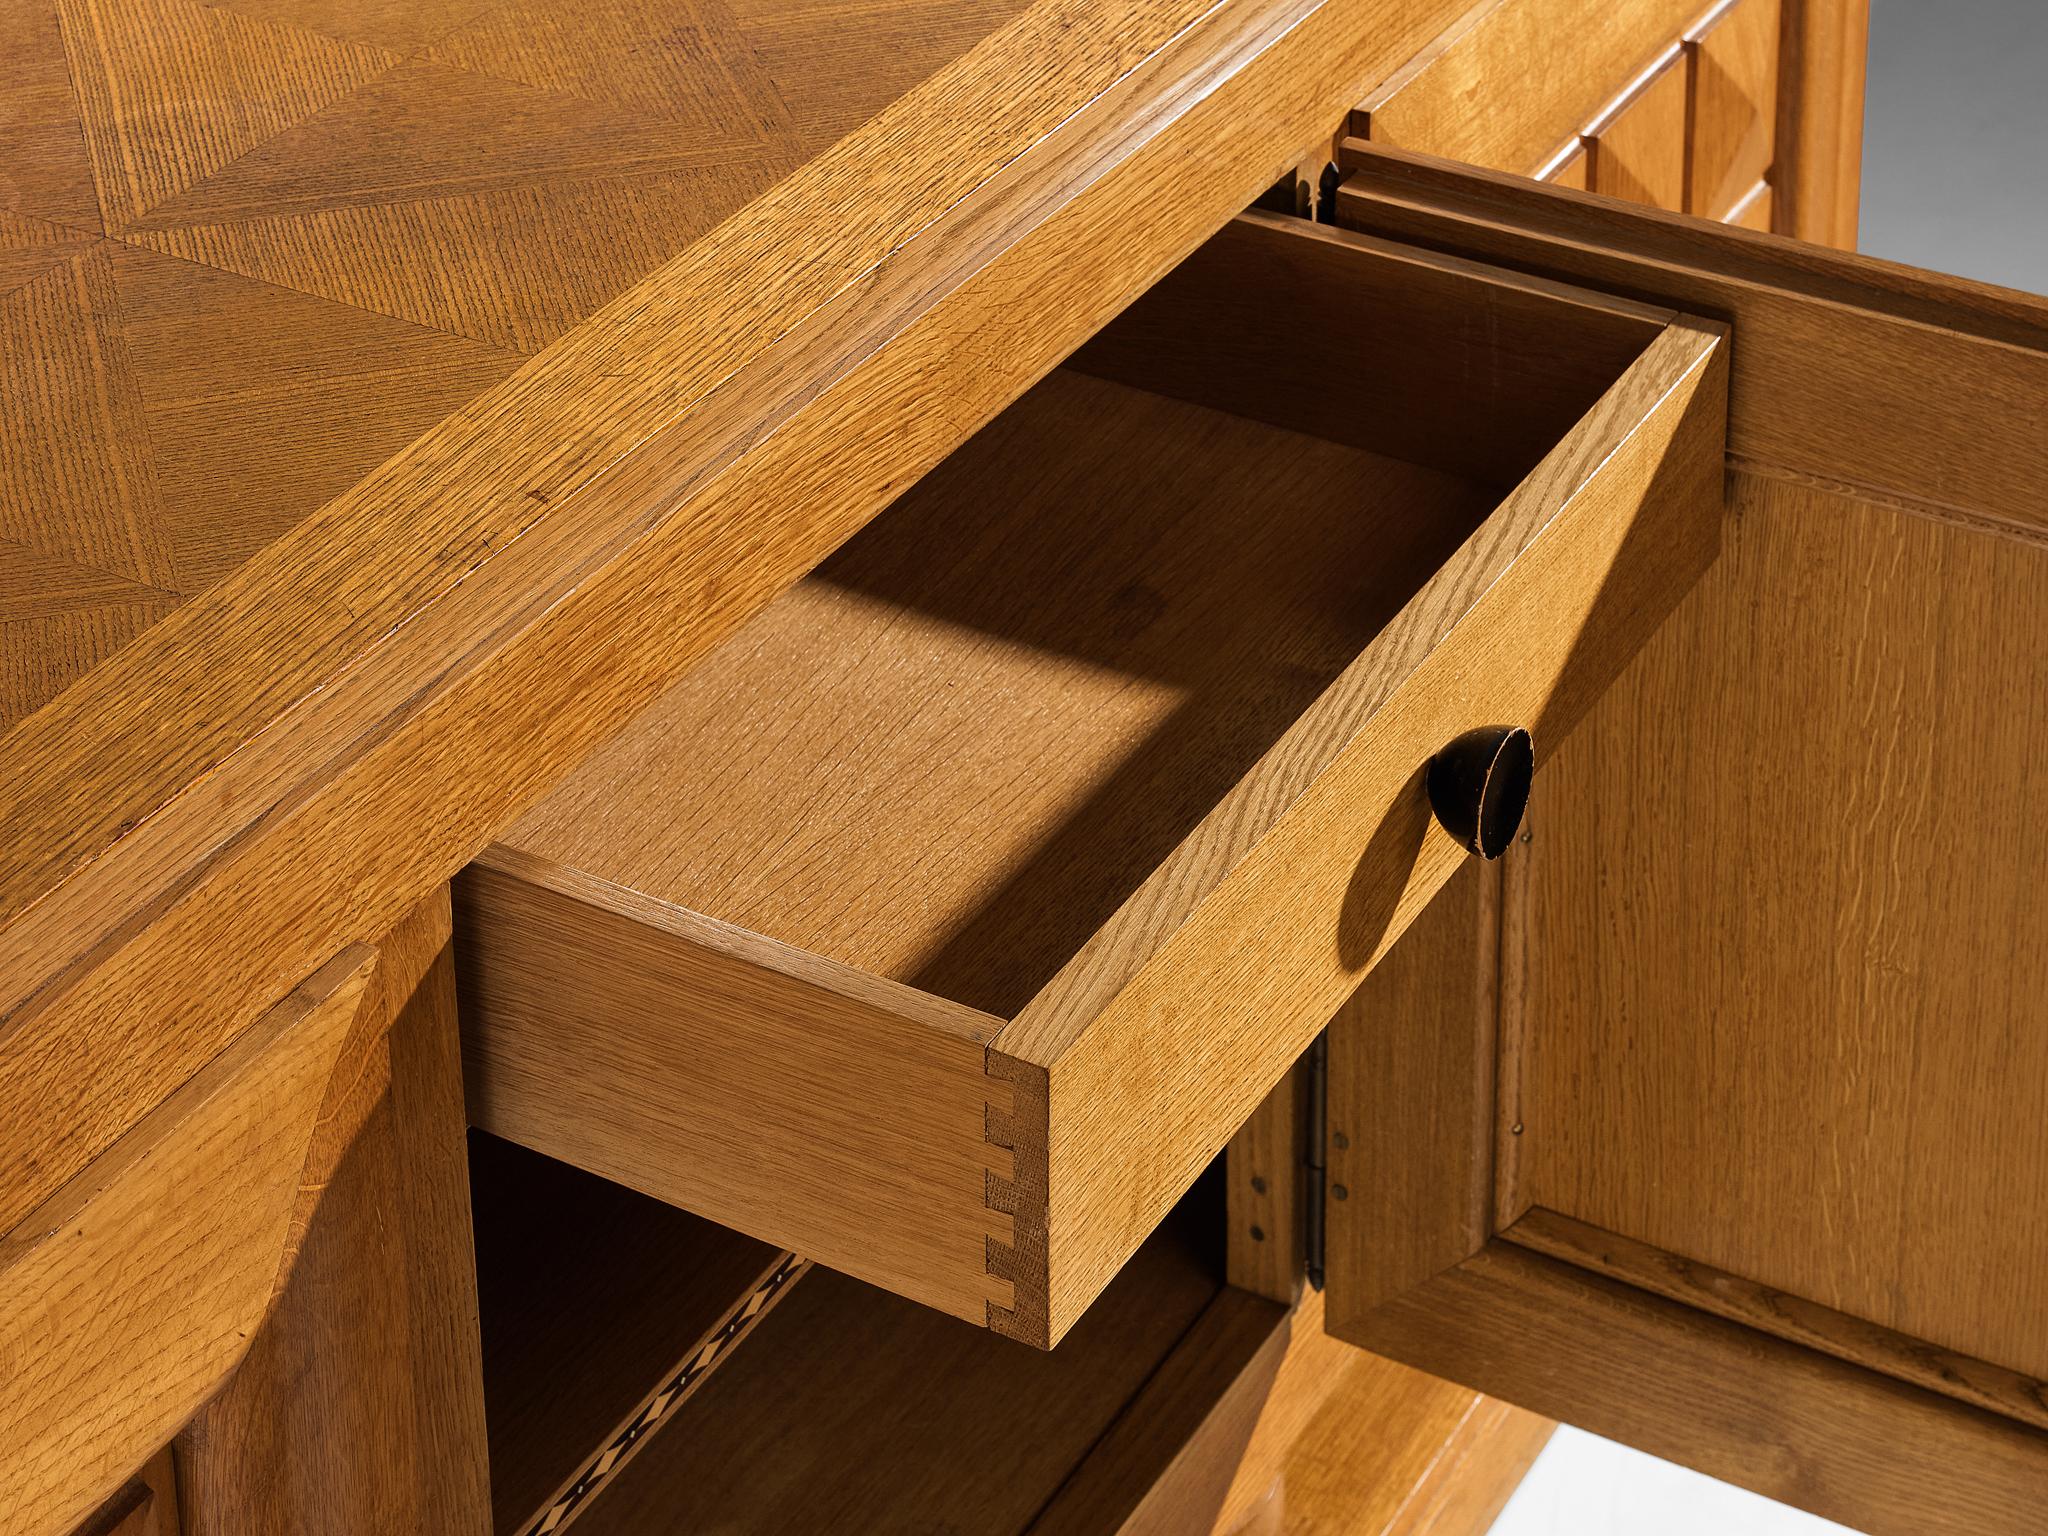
(1711, 1120)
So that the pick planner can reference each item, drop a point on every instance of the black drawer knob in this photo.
(1479, 787)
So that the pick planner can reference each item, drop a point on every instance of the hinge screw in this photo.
(1339, 1140)
(1258, 1234)
(1258, 1184)
(1339, 1192)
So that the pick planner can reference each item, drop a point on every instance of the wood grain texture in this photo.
(1164, 1031)
(1791, 1423)
(1165, 1466)
(1130, 742)
(1568, 167)
(1411, 1103)
(1639, 150)
(417, 660)
(1315, 1363)
(1263, 1172)
(1395, 1452)
(817, 1106)
(360, 1404)
(1511, 80)
(1755, 210)
(850, 1410)
(1733, 114)
(125, 1301)
(602, 1312)
(1987, 1386)
(1824, 46)
(145, 1505)
(1815, 1074)
(1892, 384)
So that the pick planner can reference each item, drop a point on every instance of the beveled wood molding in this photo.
(125, 1301)
(1793, 1318)
(293, 760)
(1792, 1423)
(1830, 376)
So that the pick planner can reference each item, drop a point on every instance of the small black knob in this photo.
(1479, 787)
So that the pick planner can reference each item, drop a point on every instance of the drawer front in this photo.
(948, 923)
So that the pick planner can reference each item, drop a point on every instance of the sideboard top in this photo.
(251, 249)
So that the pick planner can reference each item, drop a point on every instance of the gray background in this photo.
(1955, 177)
(1955, 138)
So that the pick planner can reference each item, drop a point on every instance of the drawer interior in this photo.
(807, 947)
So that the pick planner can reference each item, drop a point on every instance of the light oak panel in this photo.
(1812, 1072)
(1263, 1172)
(1510, 80)
(1411, 1108)
(1755, 210)
(1567, 168)
(301, 755)
(125, 1300)
(814, 1104)
(1353, 1444)
(1897, 385)
(1395, 1452)
(1824, 46)
(146, 1505)
(360, 1403)
(1733, 115)
(1791, 1423)
(1638, 151)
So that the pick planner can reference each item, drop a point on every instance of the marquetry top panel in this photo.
(249, 250)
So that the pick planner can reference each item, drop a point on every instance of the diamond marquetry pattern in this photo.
(249, 250)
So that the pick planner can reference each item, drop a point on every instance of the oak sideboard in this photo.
(999, 766)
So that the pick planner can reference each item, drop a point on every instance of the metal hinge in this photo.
(1315, 1131)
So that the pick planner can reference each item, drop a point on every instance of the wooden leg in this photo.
(360, 1405)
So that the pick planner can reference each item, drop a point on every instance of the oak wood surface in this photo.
(1824, 45)
(299, 754)
(1165, 1466)
(1893, 384)
(1163, 1032)
(1987, 1386)
(1411, 1108)
(1511, 80)
(602, 1312)
(145, 1505)
(1791, 1423)
(817, 1106)
(1349, 1443)
(1395, 1452)
(1265, 1197)
(1819, 1067)
(1816, 1074)
(124, 1302)
(806, 782)
(1638, 151)
(1733, 113)
(1756, 209)
(360, 1403)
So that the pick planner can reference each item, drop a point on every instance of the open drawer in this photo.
(946, 922)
